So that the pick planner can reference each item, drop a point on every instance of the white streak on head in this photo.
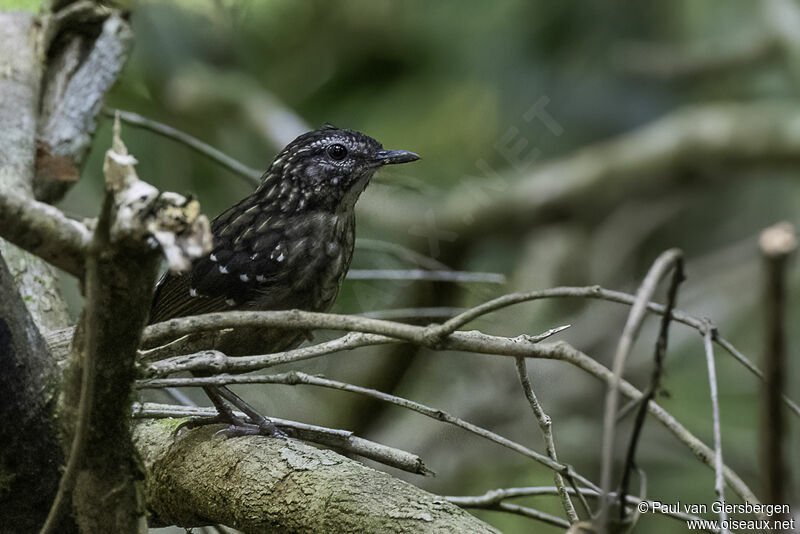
(212, 257)
(192, 292)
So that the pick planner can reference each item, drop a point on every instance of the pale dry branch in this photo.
(719, 476)
(546, 428)
(341, 440)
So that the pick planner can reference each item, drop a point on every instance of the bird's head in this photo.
(327, 169)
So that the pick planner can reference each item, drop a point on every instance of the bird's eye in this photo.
(337, 152)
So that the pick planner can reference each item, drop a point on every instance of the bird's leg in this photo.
(224, 414)
(260, 424)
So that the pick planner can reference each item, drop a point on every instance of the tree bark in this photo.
(259, 484)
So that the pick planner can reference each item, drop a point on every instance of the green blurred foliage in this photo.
(449, 80)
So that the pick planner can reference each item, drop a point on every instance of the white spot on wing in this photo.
(230, 302)
(244, 277)
(260, 278)
(212, 257)
(192, 292)
(223, 269)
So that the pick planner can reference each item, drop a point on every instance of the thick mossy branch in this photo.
(259, 484)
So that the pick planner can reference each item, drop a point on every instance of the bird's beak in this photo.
(387, 157)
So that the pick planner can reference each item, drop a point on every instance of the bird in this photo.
(288, 245)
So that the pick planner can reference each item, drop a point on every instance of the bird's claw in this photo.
(248, 429)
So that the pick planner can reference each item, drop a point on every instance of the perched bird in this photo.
(286, 246)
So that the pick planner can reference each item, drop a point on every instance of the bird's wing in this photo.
(250, 261)
(172, 299)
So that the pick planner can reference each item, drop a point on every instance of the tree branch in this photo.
(121, 270)
(74, 89)
(19, 100)
(30, 451)
(341, 440)
(281, 486)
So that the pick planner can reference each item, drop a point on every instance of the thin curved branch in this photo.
(599, 293)
(250, 175)
(546, 428)
(719, 477)
(667, 261)
(653, 386)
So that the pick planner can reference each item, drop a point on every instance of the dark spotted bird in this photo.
(286, 246)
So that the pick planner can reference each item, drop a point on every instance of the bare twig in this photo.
(432, 276)
(215, 361)
(294, 378)
(655, 383)
(546, 427)
(666, 261)
(250, 175)
(401, 252)
(341, 440)
(398, 314)
(528, 512)
(719, 483)
(597, 292)
(493, 497)
(777, 243)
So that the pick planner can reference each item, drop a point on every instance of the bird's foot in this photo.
(237, 426)
(250, 429)
(255, 424)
